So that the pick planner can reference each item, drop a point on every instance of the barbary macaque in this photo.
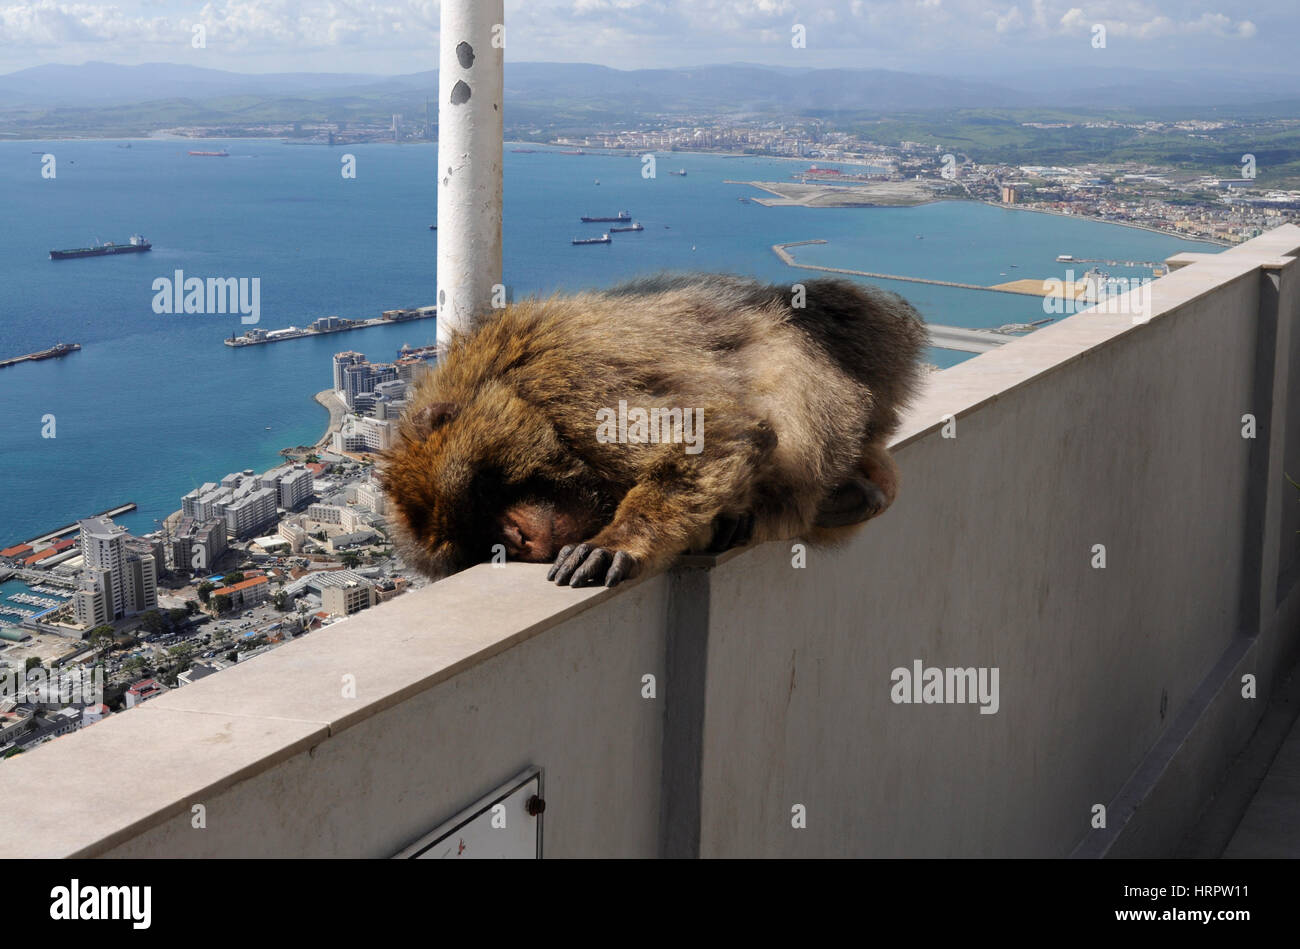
(610, 431)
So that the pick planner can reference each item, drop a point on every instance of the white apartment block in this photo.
(364, 434)
(250, 512)
(370, 495)
(347, 599)
(346, 518)
(121, 575)
(294, 484)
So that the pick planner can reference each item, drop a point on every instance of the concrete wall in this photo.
(1118, 687)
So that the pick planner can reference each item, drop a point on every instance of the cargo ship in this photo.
(603, 239)
(633, 227)
(138, 245)
(220, 154)
(620, 218)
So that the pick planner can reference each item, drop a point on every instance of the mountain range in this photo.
(582, 88)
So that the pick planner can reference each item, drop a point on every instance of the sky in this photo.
(947, 37)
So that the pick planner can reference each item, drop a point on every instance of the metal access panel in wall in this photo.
(506, 824)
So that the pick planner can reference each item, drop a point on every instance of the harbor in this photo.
(69, 528)
(54, 352)
(958, 338)
(1027, 287)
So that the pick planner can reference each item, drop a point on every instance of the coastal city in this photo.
(1190, 204)
(1187, 202)
(104, 620)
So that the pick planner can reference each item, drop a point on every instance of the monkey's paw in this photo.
(584, 565)
(731, 530)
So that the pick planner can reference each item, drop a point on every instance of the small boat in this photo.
(433, 227)
(597, 181)
(268, 428)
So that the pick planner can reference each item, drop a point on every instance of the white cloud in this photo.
(398, 35)
(1009, 21)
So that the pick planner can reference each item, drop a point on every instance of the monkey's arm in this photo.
(674, 501)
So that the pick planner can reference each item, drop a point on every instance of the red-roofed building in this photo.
(142, 691)
(245, 593)
(16, 551)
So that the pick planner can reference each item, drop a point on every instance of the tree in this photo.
(281, 601)
(205, 590)
(312, 459)
(221, 604)
(32, 663)
(191, 607)
(152, 621)
(231, 579)
(351, 558)
(232, 656)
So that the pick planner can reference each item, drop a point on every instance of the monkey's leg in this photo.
(676, 500)
(864, 496)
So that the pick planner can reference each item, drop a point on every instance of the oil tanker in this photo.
(138, 245)
(619, 218)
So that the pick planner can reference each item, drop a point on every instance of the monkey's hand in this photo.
(584, 565)
(676, 497)
(731, 530)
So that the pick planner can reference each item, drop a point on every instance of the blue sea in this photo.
(154, 405)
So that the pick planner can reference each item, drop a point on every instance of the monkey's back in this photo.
(825, 376)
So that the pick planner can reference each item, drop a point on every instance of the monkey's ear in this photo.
(435, 415)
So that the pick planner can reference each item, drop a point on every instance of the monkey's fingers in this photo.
(562, 556)
(724, 533)
(854, 501)
(744, 530)
(566, 565)
(624, 566)
(593, 568)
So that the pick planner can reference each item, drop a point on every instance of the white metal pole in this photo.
(470, 135)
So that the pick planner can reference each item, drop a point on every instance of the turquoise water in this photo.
(154, 405)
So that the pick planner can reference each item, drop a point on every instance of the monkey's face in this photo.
(469, 482)
(534, 529)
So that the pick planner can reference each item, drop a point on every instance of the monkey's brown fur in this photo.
(797, 406)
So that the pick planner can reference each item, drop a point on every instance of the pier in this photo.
(69, 528)
(958, 338)
(258, 337)
(788, 259)
(1069, 259)
(54, 352)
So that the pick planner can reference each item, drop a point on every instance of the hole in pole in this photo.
(460, 92)
(465, 54)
